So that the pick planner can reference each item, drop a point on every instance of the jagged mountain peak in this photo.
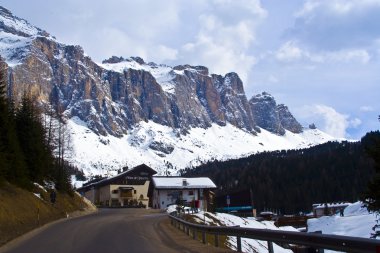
(264, 96)
(272, 117)
(18, 26)
(125, 110)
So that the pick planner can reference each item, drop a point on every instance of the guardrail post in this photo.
(216, 240)
(316, 242)
(270, 247)
(238, 242)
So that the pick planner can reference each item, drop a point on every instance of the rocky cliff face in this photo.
(114, 96)
(112, 100)
(130, 99)
(272, 117)
(287, 119)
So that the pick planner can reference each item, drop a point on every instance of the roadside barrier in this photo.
(283, 238)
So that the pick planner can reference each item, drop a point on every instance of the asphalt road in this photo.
(109, 230)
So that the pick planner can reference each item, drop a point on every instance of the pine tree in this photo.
(12, 165)
(31, 134)
(3, 121)
(372, 196)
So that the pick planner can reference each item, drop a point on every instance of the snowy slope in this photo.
(105, 154)
(248, 245)
(163, 74)
(16, 35)
(97, 151)
(357, 221)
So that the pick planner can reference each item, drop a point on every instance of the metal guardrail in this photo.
(318, 241)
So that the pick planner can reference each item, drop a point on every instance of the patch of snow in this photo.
(13, 48)
(37, 195)
(89, 204)
(76, 183)
(196, 147)
(177, 182)
(19, 25)
(171, 208)
(40, 186)
(163, 74)
(248, 245)
(357, 221)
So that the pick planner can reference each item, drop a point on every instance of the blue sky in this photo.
(321, 58)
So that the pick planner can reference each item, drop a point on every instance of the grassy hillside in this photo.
(22, 211)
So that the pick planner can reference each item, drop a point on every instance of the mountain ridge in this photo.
(120, 98)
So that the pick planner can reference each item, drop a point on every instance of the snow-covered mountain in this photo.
(126, 111)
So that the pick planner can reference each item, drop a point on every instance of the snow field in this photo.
(105, 154)
(357, 221)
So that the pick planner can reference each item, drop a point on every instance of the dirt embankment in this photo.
(22, 211)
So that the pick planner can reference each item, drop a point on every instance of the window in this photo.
(134, 191)
(115, 191)
(191, 193)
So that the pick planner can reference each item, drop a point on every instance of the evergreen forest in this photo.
(291, 181)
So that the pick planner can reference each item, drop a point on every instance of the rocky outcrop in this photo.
(272, 117)
(287, 120)
(265, 114)
(114, 96)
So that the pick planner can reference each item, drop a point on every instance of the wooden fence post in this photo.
(216, 240)
(238, 242)
(270, 247)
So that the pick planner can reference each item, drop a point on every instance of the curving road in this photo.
(109, 230)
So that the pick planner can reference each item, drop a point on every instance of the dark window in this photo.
(191, 193)
(115, 191)
(134, 191)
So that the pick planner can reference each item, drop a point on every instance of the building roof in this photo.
(331, 205)
(118, 176)
(183, 183)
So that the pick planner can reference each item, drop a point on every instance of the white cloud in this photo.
(223, 42)
(337, 24)
(342, 7)
(365, 108)
(354, 123)
(166, 53)
(358, 55)
(329, 120)
(334, 122)
(290, 51)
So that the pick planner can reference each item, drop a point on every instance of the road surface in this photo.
(109, 230)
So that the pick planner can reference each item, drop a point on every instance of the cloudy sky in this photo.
(319, 57)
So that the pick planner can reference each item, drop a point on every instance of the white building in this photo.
(195, 192)
(328, 208)
(129, 188)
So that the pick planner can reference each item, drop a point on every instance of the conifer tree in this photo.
(372, 196)
(12, 165)
(3, 121)
(32, 138)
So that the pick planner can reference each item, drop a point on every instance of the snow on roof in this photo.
(338, 204)
(182, 182)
